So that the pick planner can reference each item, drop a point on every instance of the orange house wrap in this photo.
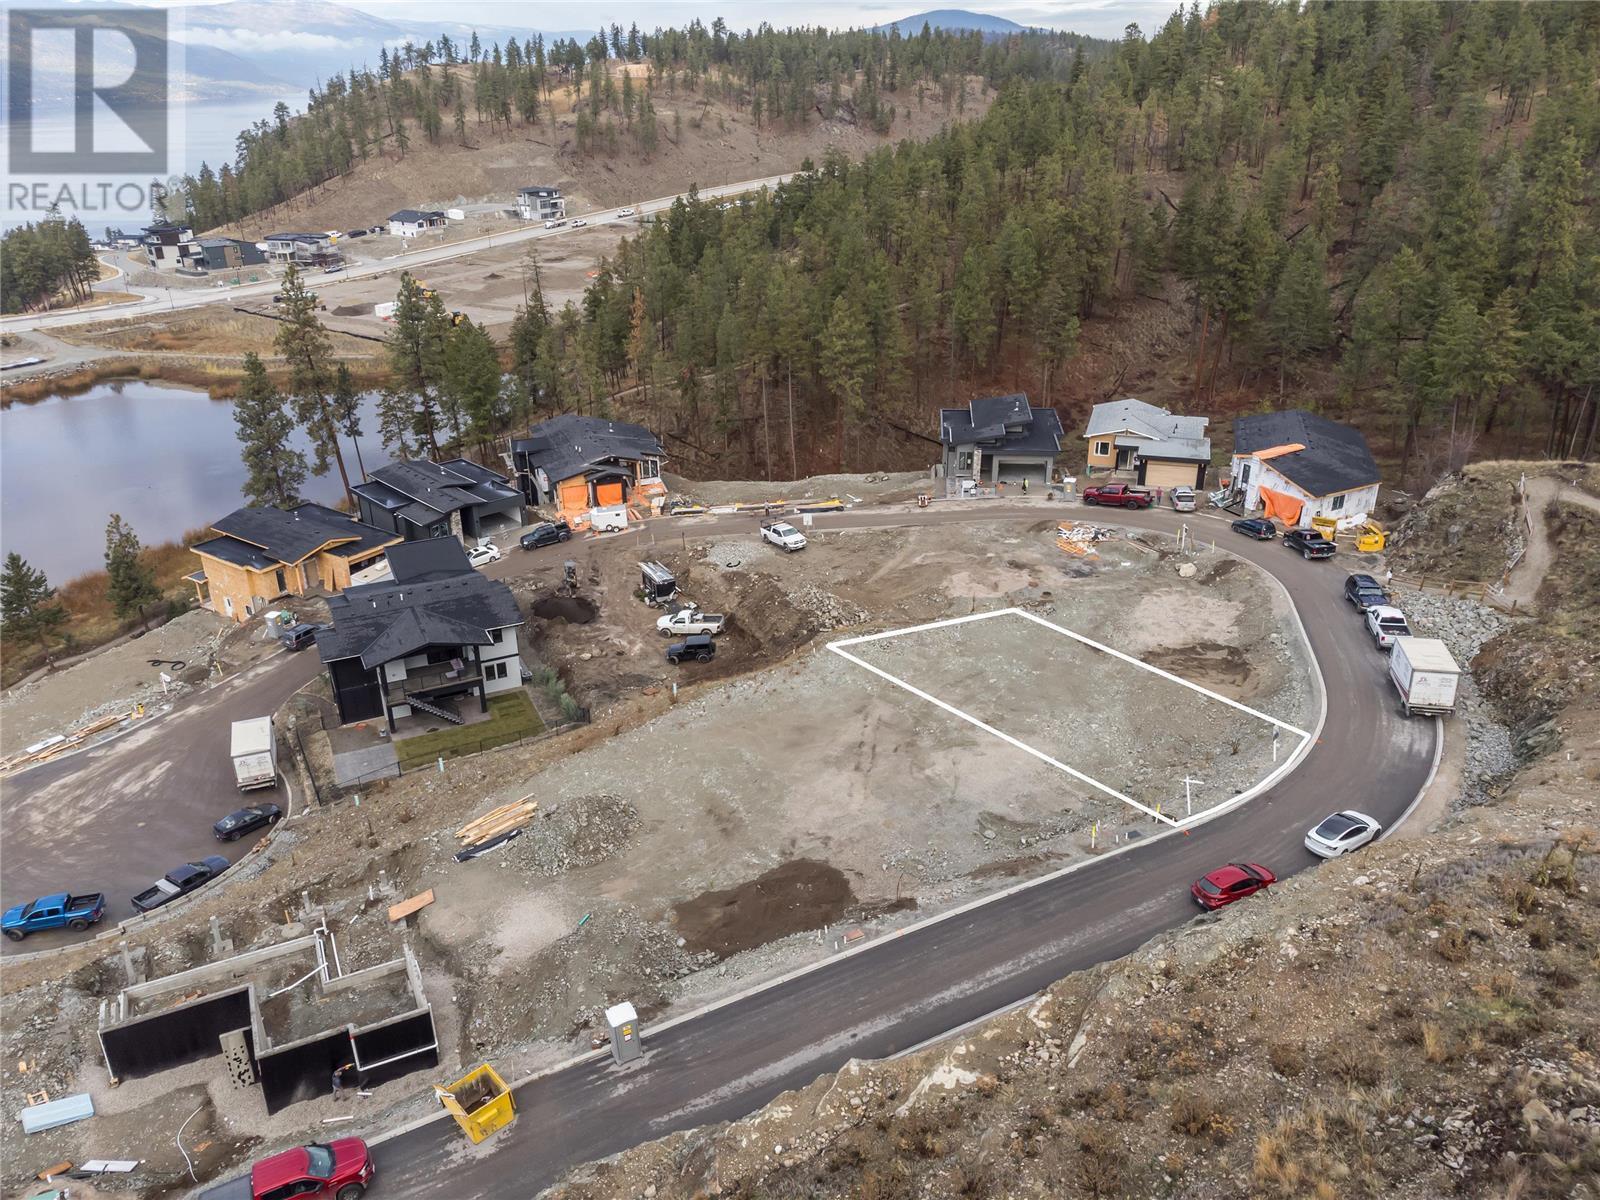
(1280, 505)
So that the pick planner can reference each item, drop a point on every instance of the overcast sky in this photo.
(1100, 18)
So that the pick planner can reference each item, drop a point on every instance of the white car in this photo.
(624, 212)
(554, 224)
(1385, 624)
(483, 555)
(1182, 499)
(1341, 833)
(579, 221)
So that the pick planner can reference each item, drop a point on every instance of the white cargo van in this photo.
(255, 754)
(1424, 674)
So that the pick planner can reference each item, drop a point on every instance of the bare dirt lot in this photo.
(682, 850)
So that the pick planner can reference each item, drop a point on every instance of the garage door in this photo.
(574, 495)
(1016, 472)
(1169, 474)
(607, 494)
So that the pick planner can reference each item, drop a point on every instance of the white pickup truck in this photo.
(690, 620)
(781, 533)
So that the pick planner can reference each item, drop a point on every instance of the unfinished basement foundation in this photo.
(285, 1016)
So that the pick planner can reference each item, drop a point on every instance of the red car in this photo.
(1232, 882)
(1118, 495)
(340, 1170)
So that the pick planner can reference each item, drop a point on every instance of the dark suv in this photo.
(547, 534)
(1261, 530)
(698, 646)
(298, 637)
(1309, 542)
(1364, 592)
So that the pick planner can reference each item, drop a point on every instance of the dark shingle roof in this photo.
(1335, 458)
(380, 622)
(422, 492)
(279, 536)
(985, 420)
(412, 215)
(428, 558)
(569, 445)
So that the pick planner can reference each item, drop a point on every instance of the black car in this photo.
(546, 534)
(1364, 592)
(298, 637)
(1309, 543)
(698, 647)
(1257, 527)
(236, 824)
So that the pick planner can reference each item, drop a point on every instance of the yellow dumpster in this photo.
(1370, 539)
(480, 1102)
(1326, 526)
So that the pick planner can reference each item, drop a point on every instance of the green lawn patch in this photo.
(511, 718)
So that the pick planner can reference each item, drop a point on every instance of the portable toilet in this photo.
(623, 1023)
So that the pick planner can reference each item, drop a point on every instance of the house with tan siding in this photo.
(260, 555)
(1162, 448)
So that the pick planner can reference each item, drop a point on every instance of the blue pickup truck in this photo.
(60, 911)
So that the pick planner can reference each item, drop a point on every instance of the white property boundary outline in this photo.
(839, 649)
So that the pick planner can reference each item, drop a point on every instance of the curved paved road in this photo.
(116, 817)
(175, 299)
(897, 993)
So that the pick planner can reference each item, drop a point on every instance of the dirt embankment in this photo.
(1418, 1020)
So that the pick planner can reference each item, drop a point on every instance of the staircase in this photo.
(439, 708)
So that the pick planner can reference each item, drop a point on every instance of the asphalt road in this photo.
(907, 989)
(175, 299)
(115, 818)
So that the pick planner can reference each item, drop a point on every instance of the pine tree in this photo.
(346, 407)
(473, 382)
(26, 613)
(274, 472)
(416, 355)
(1298, 319)
(132, 583)
(308, 353)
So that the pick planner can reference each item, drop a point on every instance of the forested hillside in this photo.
(1386, 209)
(443, 92)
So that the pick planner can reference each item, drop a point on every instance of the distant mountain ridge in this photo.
(955, 20)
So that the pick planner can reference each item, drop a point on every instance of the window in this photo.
(1338, 503)
(495, 670)
(283, 584)
(964, 460)
(497, 635)
(1102, 449)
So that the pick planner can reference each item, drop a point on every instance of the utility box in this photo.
(255, 754)
(623, 1022)
(480, 1101)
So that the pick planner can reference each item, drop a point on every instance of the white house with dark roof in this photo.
(438, 633)
(1163, 448)
(999, 439)
(413, 222)
(1298, 465)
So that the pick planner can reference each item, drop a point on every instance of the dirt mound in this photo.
(792, 898)
(353, 310)
(575, 610)
(1225, 668)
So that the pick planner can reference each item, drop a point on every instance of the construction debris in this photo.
(399, 912)
(497, 821)
(1079, 538)
(60, 743)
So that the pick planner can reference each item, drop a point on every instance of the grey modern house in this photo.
(578, 463)
(302, 249)
(536, 203)
(437, 633)
(1000, 439)
(422, 499)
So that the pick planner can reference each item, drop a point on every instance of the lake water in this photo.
(166, 458)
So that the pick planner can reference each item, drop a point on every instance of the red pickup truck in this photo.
(1118, 495)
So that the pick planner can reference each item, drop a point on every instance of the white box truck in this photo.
(255, 754)
(1424, 674)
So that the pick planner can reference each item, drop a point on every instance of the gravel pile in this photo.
(829, 610)
(1464, 626)
(578, 832)
(731, 555)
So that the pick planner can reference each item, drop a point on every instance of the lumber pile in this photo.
(497, 821)
(60, 745)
